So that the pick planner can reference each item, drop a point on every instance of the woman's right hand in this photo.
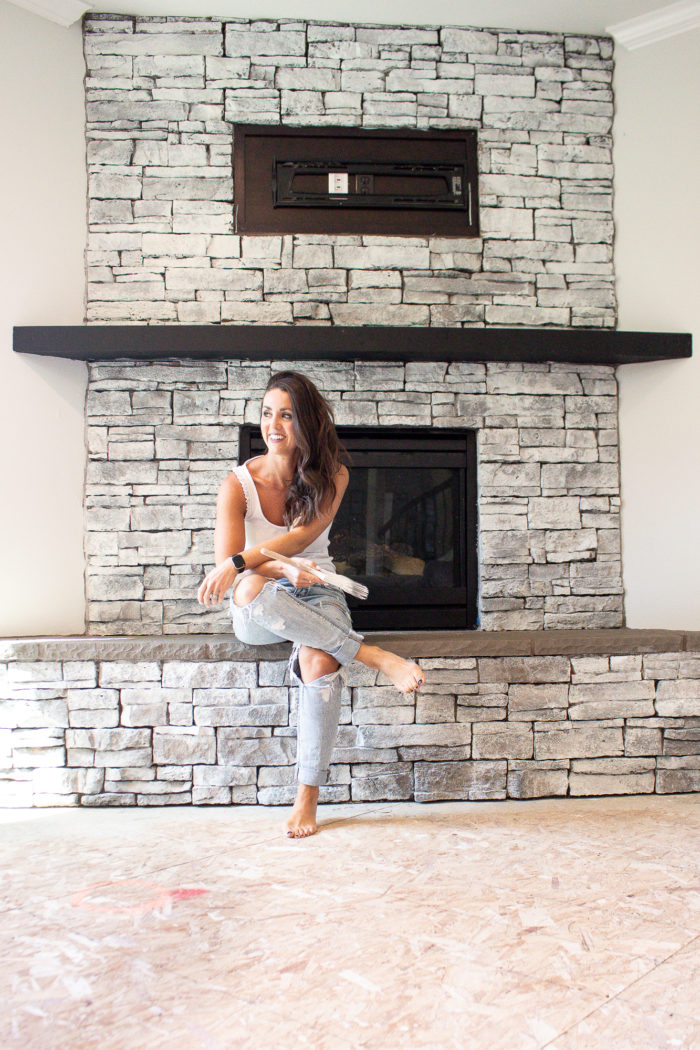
(216, 583)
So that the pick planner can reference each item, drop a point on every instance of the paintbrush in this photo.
(357, 590)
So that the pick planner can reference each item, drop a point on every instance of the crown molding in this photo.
(656, 25)
(63, 12)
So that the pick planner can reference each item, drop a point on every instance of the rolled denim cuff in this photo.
(347, 650)
(311, 777)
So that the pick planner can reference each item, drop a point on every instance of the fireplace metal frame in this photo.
(455, 608)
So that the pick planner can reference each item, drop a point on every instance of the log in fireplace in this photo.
(407, 527)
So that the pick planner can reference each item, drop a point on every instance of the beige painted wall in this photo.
(657, 211)
(42, 188)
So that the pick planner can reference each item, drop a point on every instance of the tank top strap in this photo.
(249, 490)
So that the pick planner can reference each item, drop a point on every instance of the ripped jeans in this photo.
(319, 617)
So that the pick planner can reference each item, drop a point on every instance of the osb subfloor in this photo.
(570, 923)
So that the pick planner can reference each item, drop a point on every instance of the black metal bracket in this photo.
(310, 184)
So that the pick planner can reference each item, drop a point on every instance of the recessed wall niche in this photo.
(351, 180)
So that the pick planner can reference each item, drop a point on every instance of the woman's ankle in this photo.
(307, 795)
(370, 655)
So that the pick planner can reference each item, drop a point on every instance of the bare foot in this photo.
(406, 675)
(302, 820)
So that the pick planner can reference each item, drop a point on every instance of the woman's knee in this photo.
(314, 663)
(248, 589)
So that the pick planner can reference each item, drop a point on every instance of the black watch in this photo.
(239, 561)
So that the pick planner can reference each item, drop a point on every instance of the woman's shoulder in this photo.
(237, 476)
(243, 473)
(233, 488)
(251, 467)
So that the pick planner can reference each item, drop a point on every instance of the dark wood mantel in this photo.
(332, 342)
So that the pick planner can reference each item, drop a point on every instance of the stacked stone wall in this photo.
(177, 727)
(162, 96)
(163, 436)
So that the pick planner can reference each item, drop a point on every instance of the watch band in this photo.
(239, 561)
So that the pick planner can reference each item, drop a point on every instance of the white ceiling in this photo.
(591, 16)
(574, 16)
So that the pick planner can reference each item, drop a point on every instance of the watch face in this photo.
(239, 561)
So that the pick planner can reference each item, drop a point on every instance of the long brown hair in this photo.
(320, 454)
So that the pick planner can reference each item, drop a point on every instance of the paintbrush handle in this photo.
(358, 590)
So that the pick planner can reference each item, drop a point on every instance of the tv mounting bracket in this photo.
(358, 184)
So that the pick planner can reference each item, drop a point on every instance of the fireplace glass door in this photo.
(407, 525)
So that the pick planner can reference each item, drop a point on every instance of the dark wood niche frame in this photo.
(258, 147)
(299, 343)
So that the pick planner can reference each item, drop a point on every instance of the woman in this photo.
(285, 500)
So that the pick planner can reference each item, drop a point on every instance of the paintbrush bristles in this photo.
(357, 590)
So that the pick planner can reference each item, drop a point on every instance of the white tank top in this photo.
(258, 529)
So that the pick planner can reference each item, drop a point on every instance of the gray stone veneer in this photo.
(161, 98)
(162, 437)
(156, 721)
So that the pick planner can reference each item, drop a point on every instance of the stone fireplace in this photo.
(161, 100)
(162, 436)
(186, 321)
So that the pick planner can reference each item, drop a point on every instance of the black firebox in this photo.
(407, 527)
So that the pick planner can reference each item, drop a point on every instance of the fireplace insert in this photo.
(407, 527)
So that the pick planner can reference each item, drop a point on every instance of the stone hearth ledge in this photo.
(414, 644)
(104, 721)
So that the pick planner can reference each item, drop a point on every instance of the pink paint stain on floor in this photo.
(186, 894)
(131, 896)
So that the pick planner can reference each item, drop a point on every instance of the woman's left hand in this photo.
(215, 584)
(302, 576)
